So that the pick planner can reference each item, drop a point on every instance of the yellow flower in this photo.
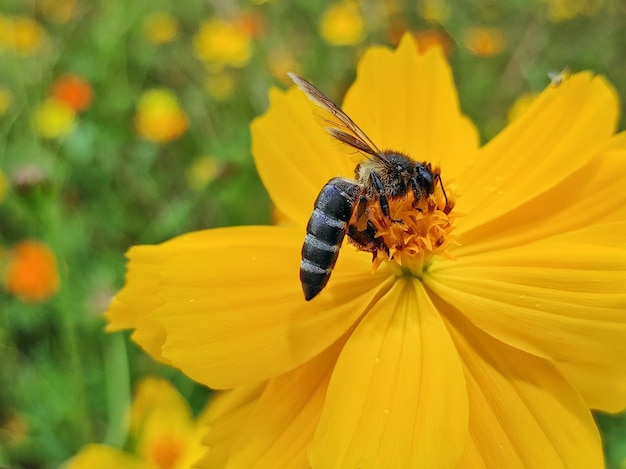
(59, 11)
(4, 186)
(31, 273)
(221, 43)
(490, 356)
(159, 117)
(163, 433)
(202, 172)
(342, 24)
(220, 85)
(484, 42)
(435, 11)
(564, 10)
(5, 100)
(22, 34)
(54, 119)
(160, 28)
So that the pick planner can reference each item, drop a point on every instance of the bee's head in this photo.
(425, 177)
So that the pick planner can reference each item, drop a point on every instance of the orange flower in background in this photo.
(160, 28)
(433, 38)
(163, 433)
(222, 43)
(342, 24)
(31, 273)
(490, 356)
(72, 90)
(54, 119)
(159, 117)
(484, 42)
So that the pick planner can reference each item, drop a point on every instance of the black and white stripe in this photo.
(325, 232)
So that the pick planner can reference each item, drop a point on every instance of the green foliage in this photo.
(103, 188)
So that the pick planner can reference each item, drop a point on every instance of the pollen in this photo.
(415, 231)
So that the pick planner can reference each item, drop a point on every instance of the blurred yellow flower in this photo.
(484, 42)
(220, 85)
(279, 62)
(521, 104)
(54, 119)
(342, 24)
(59, 11)
(162, 432)
(564, 10)
(22, 35)
(221, 43)
(159, 117)
(160, 28)
(4, 186)
(6, 98)
(503, 346)
(434, 11)
(31, 273)
(202, 172)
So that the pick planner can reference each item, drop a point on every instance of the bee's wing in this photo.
(340, 126)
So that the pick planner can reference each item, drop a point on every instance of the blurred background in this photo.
(126, 123)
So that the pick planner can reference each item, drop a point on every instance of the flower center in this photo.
(423, 232)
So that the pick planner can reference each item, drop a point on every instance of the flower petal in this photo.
(558, 300)
(294, 156)
(561, 131)
(279, 430)
(522, 413)
(407, 102)
(396, 389)
(603, 386)
(591, 195)
(226, 415)
(234, 310)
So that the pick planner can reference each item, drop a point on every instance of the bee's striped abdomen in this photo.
(325, 232)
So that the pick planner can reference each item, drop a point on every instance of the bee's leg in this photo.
(361, 215)
(377, 184)
(417, 192)
(366, 239)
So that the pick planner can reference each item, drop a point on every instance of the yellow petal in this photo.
(562, 301)
(522, 413)
(397, 395)
(603, 386)
(295, 157)
(592, 195)
(131, 307)
(560, 132)
(407, 102)
(161, 422)
(105, 457)
(280, 428)
(226, 415)
(234, 310)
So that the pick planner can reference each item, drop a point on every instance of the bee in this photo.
(382, 176)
